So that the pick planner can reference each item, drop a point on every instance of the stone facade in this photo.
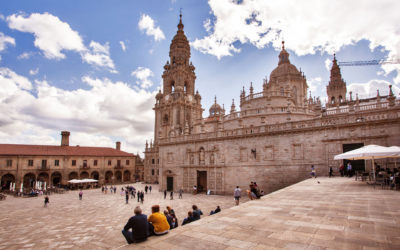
(59, 164)
(273, 139)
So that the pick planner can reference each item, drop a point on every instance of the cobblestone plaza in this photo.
(322, 213)
(94, 222)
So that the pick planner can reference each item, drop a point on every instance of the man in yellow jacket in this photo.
(158, 222)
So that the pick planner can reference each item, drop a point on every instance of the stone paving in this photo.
(322, 213)
(93, 223)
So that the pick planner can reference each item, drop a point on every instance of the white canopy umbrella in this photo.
(370, 152)
(73, 181)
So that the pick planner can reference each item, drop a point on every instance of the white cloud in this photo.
(146, 23)
(33, 72)
(311, 26)
(99, 55)
(52, 35)
(328, 64)
(11, 80)
(143, 75)
(95, 115)
(314, 84)
(123, 46)
(369, 89)
(4, 40)
(25, 55)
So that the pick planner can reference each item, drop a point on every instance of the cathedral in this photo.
(273, 137)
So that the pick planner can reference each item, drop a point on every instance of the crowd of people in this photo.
(139, 227)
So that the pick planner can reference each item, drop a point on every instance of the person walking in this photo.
(313, 173)
(330, 172)
(80, 195)
(141, 197)
(171, 195)
(236, 194)
(150, 189)
(46, 201)
(165, 194)
(180, 193)
(126, 196)
(349, 169)
(146, 188)
(138, 195)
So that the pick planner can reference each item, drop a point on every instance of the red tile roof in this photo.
(20, 149)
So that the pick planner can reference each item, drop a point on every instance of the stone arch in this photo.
(118, 176)
(172, 86)
(56, 178)
(73, 175)
(84, 175)
(43, 177)
(6, 180)
(333, 100)
(127, 176)
(340, 99)
(109, 177)
(29, 180)
(94, 175)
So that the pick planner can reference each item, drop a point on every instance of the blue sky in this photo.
(93, 67)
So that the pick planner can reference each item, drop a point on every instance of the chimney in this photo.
(118, 145)
(65, 138)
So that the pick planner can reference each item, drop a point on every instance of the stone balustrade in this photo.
(333, 116)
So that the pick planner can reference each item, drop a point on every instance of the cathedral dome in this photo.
(284, 66)
(215, 108)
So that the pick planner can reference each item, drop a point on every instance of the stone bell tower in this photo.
(336, 90)
(177, 106)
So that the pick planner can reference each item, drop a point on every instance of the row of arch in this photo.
(55, 178)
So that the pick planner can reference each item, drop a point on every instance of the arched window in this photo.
(332, 100)
(340, 99)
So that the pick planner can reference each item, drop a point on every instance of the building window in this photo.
(152, 161)
(158, 161)
(73, 162)
(56, 162)
(127, 162)
(44, 163)
(158, 172)
(30, 163)
(95, 162)
(109, 162)
(118, 163)
(9, 163)
(152, 172)
(85, 163)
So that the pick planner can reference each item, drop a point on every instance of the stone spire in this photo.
(336, 88)
(233, 108)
